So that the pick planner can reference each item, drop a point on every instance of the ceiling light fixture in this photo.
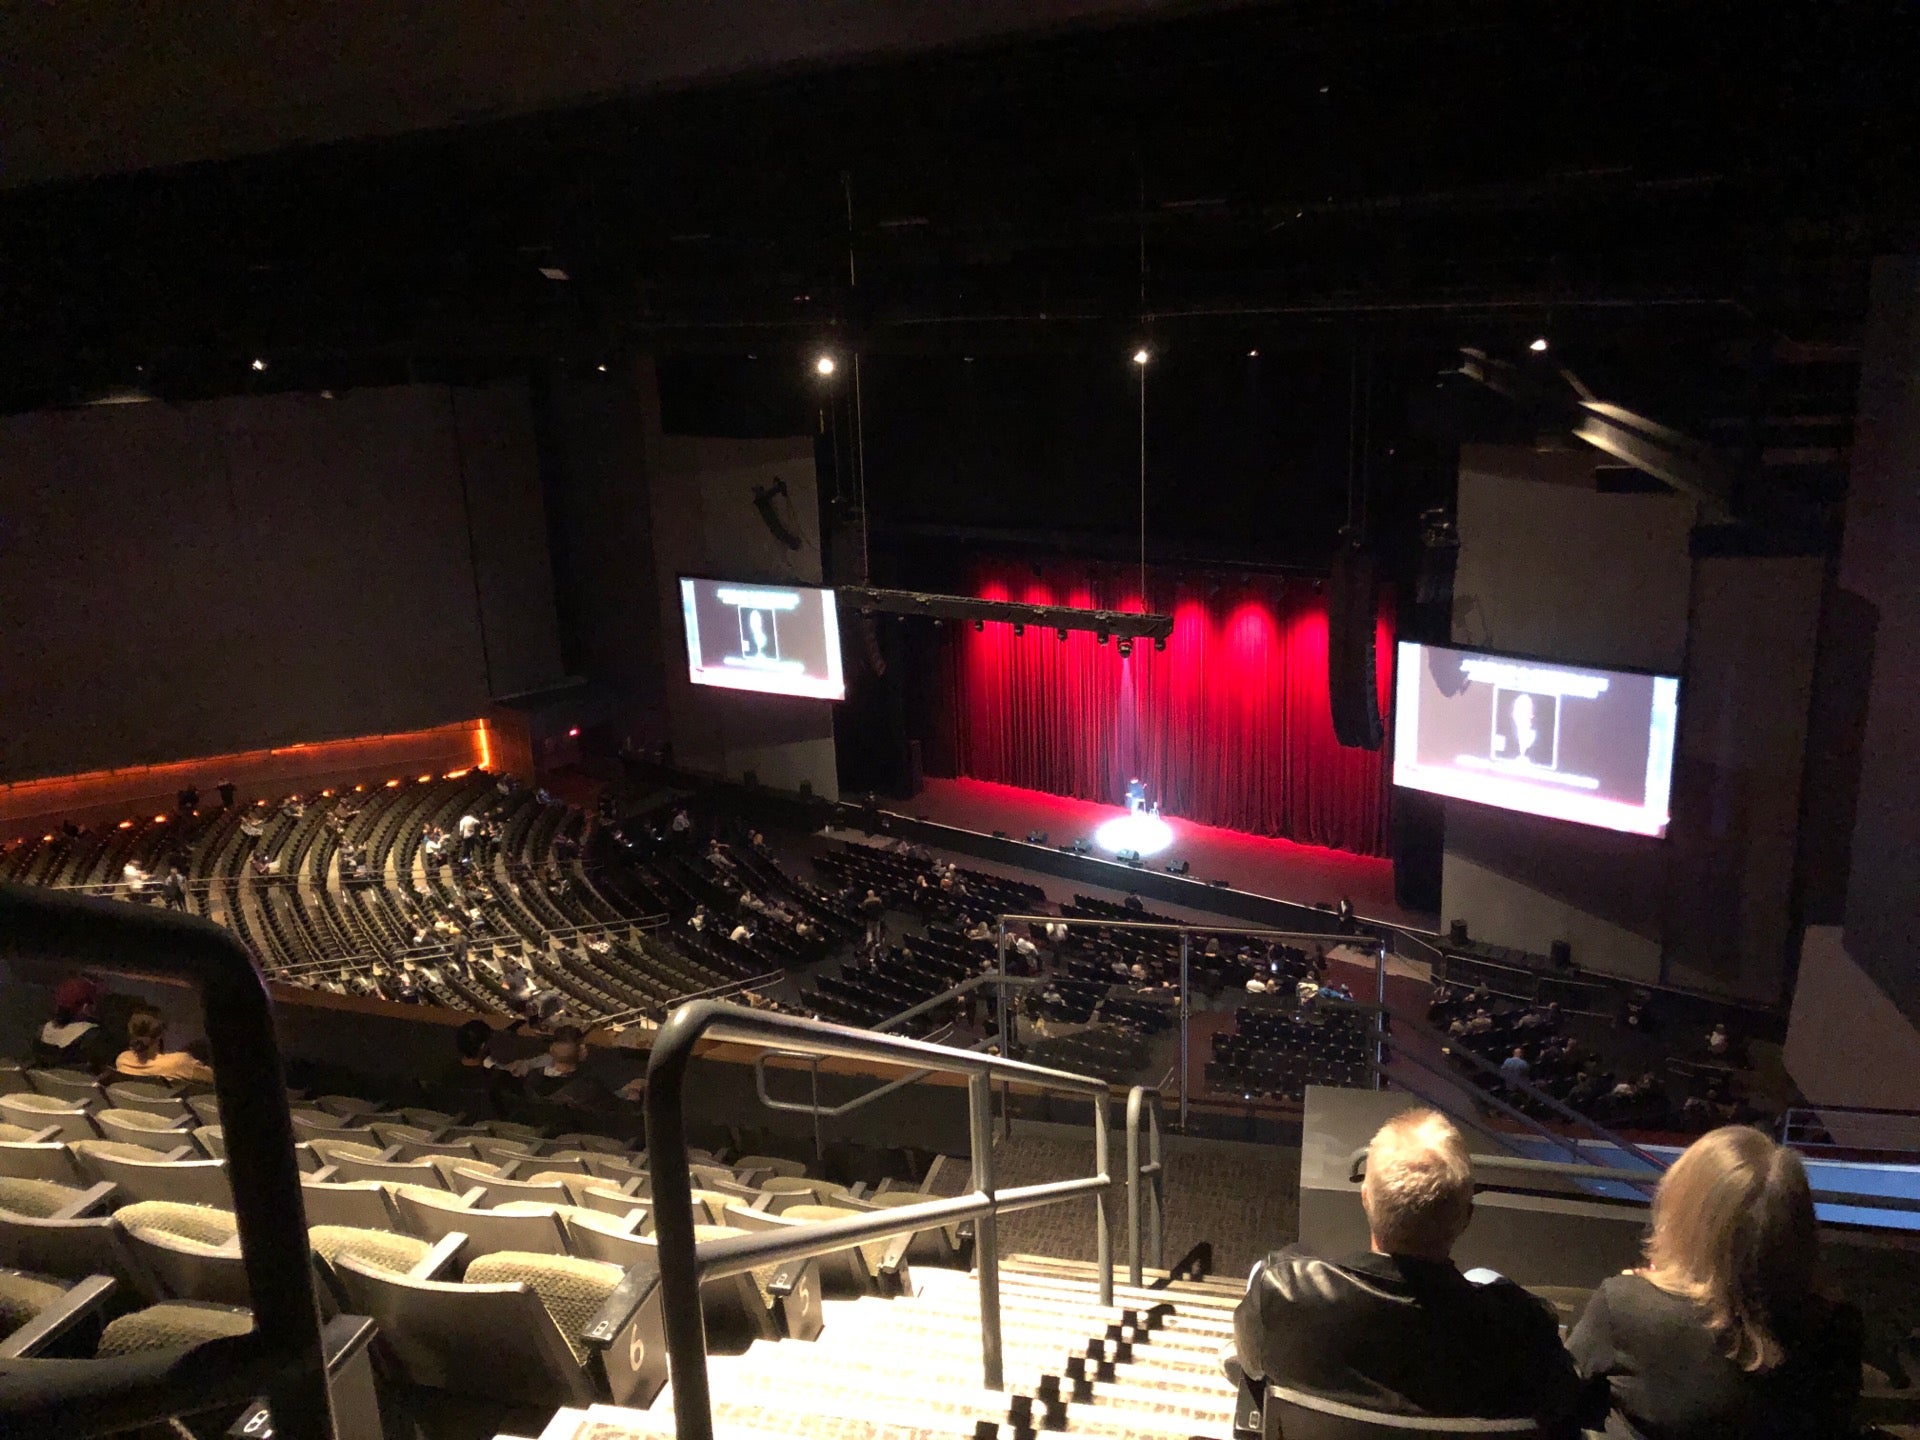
(824, 365)
(258, 363)
(1539, 345)
(1140, 356)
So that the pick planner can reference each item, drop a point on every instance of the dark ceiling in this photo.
(1686, 197)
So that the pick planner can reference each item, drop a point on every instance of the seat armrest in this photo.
(48, 1136)
(627, 1339)
(91, 1201)
(390, 1155)
(181, 1152)
(437, 1263)
(471, 1196)
(894, 1276)
(83, 1304)
(323, 1175)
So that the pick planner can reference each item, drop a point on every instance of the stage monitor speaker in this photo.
(1178, 867)
(1457, 933)
(1221, 884)
(1352, 677)
(1036, 837)
(1000, 835)
(1561, 953)
(1127, 857)
(1080, 847)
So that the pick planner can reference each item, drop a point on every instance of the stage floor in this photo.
(1306, 874)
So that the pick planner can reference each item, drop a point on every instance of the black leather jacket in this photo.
(1407, 1336)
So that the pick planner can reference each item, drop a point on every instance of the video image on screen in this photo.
(1570, 742)
(774, 639)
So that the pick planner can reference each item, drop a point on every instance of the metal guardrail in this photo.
(684, 1264)
(1800, 1123)
(282, 1357)
(1145, 1178)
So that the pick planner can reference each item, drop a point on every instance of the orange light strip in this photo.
(197, 767)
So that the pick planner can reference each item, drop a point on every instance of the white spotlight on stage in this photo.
(1142, 833)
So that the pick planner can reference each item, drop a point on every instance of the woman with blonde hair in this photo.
(1721, 1333)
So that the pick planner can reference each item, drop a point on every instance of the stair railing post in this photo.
(1186, 1021)
(1156, 1193)
(1135, 1097)
(986, 1240)
(1102, 1235)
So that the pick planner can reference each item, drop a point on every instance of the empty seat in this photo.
(44, 1159)
(533, 1229)
(937, 1246)
(45, 1199)
(36, 1112)
(356, 1204)
(495, 1189)
(143, 1095)
(319, 1125)
(511, 1332)
(184, 1252)
(142, 1127)
(786, 1169)
(212, 1139)
(346, 1106)
(75, 1087)
(45, 1318)
(600, 1144)
(845, 1272)
(353, 1162)
(173, 1325)
(143, 1174)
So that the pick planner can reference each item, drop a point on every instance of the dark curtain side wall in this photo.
(1229, 726)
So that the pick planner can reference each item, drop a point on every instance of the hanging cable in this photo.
(1141, 178)
(859, 457)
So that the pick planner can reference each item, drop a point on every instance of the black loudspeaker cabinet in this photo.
(1352, 674)
(1561, 954)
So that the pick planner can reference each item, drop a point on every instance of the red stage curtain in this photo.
(1230, 726)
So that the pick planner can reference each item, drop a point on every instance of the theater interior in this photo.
(754, 720)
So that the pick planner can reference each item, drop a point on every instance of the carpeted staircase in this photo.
(908, 1367)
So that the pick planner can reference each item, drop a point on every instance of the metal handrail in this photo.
(1802, 1117)
(1144, 1099)
(282, 1356)
(684, 1264)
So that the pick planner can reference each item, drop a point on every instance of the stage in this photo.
(1302, 874)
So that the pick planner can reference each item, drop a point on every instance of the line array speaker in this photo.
(1352, 676)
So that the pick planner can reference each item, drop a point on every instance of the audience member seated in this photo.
(1398, 1328)
(1722, 1333)
(556, 1078)
(73, 1039)
(147, 1058)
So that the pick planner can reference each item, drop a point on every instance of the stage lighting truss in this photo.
(1123, 625)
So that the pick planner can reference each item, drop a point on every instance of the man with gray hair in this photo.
(1398, 1328)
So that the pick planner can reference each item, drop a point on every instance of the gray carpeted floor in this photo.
(1243, 1198)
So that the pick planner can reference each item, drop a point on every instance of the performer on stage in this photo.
(1136, 795)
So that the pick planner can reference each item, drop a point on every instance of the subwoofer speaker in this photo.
(1352, 679)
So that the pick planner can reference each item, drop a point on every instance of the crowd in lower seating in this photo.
(1533, 1045)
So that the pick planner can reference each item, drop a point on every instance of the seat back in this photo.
(76, 1087)
(212, 1139)
(851, 1270)
(348, 1106)
(774, 1165)
(143, 1127)
(355, 1204)
(143, 1095)
(319, 1125)
(392, 1172)
(70, 1249)
(41, 1160)
(1295, 1415)
(185, 1182)
(496, 1191)
(184, 1252)
(37, 1111)
(535, 1231)
(496, 1341)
